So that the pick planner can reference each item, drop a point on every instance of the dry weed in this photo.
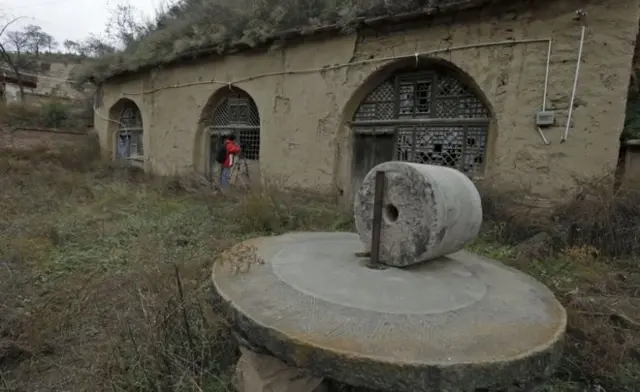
(597, 215)
(594, 273)
(510, 213)
(49, 115)
(105, 276)
(105, 270)
(239, 258)
(604, 217)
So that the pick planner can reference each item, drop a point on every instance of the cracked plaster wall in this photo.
(305, 143)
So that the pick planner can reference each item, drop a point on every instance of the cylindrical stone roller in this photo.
(428, 212)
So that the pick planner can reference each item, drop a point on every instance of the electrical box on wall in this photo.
(545, 119)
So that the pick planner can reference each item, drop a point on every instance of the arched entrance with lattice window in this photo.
(429, 116)
(231, 111)
(128, 126)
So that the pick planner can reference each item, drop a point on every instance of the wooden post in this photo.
(378, 199)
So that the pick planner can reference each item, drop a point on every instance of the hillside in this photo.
(53, 70)
(55, 102)
(52, 81)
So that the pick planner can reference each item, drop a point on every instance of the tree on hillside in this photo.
(31, 39)
(71, 46)
(92, 46)
(124, 25)
(18, 41)
(95, 47)
(16, 44)
(6, 56)
(37, 39)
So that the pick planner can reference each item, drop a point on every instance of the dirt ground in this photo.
(104, 281)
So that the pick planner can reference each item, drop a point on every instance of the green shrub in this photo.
(56, 114)
(49, 115)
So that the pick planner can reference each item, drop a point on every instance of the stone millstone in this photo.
(458, 323)
(428, 211)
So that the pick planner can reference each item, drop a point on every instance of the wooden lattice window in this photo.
(129, 137)
(238, 114)
(433, 118)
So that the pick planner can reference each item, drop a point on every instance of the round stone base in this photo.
(458, 323)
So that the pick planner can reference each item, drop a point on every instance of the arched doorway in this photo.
(129, 131)
(429, 116)
(235, 113)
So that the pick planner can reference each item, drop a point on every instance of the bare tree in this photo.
(38, 39)
(18, 41)
(50, 42)
(95, 47)
(6, 56)
(124, 26)
(71, 46)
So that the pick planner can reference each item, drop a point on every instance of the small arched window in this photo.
(129, 136)
(424, 117)
(238, 114)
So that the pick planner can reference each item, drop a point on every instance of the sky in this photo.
(69, 19)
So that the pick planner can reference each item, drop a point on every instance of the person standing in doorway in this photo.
(226, 156)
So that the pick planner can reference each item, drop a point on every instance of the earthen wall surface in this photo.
(305, 138)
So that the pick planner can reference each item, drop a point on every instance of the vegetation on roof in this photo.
(192, 27)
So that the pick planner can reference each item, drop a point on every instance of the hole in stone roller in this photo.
(390, 213)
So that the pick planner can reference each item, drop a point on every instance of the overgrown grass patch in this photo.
(105, 273)
(602, 298)
(55, 114)
(105, 277)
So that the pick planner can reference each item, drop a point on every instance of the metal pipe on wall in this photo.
(575, 87)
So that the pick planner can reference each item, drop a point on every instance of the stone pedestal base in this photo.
(459, 323)
(263, 373)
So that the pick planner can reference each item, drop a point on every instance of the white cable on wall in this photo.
(327, 68)
(544, 94)
(69, 81)
(323, 69)
(575, 87)
(339, 66)
(546, 78)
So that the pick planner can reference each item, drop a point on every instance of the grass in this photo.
(54, 114)
(104, 279)
(602, 298)
(104, 274)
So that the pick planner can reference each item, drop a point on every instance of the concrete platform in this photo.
(458, 323)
